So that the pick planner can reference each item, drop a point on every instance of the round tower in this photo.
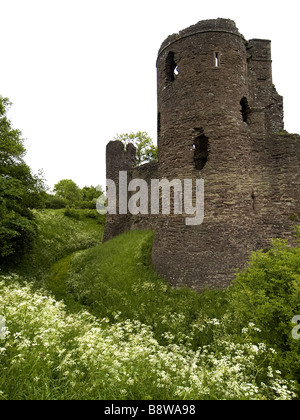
(203, 133)
(202, 79)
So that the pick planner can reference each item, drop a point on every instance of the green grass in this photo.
(116, 280)
(48, 354)
(58, 236)
(105, 325)
(57, 284)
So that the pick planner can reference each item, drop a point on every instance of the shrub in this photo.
(73, 213)
(54, 202)
(85, 205)
(268, 294)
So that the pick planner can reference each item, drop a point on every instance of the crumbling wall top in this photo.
(210, 25)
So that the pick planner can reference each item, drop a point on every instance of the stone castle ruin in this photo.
(220, 119)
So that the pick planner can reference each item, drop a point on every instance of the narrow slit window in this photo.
(171, 69)
(201, 151)
(217, 59)
(245, 110)
(158, 125)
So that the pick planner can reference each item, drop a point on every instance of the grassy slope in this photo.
(58, 237)
(114, 279)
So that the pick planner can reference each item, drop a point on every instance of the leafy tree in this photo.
(68, 189)
(145, 149)
(91, 193)
(20, 190)
(67, 193)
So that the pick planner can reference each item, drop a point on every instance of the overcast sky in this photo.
(81, 71)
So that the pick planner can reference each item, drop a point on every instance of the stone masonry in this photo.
(220, 119)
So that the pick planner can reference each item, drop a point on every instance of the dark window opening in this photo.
(201, 151)
(253, 200)
(217, 59)
(245, 110)
(171, 67)
(158, 124)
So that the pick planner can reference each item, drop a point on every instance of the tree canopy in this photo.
(68, 193)
(145, 149)
(68, 189)
(20, 190)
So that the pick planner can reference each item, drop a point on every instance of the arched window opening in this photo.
(201, 151)
(217, 59)
(245, 109)
(171, 67)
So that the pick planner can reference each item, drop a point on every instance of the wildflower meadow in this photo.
(48, 354)
(92, 321)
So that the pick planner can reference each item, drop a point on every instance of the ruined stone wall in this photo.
(263, 97)
(120, 159)
(220, 119)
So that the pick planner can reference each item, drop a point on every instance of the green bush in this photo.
(85, 205)
(268, 294)
(91, 214)
(73, 213)
(54, 202)
(57, 237)
(101, 218)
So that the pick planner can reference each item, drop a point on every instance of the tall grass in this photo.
(46, 354)
(116, 280)
(58, 236)
(108, 327)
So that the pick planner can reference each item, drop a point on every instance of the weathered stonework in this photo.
(220, 118)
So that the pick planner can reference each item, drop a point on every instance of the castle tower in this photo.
(220, 122)
(214, 94)
(202, 78)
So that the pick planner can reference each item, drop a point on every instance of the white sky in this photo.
(81, 71)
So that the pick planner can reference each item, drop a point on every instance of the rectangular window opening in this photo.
(217, 59)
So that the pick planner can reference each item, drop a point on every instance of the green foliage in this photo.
(90, 193)
(47, 354)
(54, 202)
(67, 189)
(57, 237)
(80, 214)
(144, 339)
(68, 194)
(73, 213)
(20, 190)
(117, 278)
(145, 149)
(268, 294)
(12, 145)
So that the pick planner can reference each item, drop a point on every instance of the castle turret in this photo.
(220, 131)
(202, 79)
(215, 93)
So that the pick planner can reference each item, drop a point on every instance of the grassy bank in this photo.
(87, 320)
